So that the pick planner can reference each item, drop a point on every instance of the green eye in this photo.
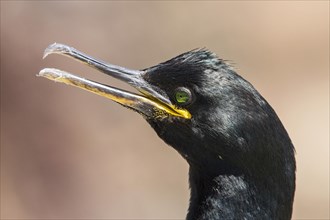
(183, 96)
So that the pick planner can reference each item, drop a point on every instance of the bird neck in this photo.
(229, 196)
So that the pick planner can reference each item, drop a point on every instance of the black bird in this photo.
(241, 159)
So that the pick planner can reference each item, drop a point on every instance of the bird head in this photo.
(196, 103)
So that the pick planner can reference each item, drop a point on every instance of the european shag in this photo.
(241, 159)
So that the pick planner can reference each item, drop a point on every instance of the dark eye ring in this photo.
(183, 96)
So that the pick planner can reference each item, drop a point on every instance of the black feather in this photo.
(241, 158)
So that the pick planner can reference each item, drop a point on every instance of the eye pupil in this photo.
(182, 95)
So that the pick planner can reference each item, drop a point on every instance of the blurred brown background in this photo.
(66, 153)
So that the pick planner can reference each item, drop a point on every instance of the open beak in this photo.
(150, 102)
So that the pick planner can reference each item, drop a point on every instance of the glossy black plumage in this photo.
(241, 158)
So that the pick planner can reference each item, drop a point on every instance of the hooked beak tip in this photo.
(48, 50)
(51, 73)
(56, 48)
